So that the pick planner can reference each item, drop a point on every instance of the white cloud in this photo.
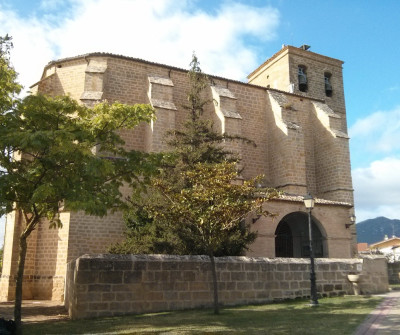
(378, 132)
(32, 49)
(377, 189)
(165, 31)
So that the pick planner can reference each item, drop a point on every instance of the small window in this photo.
(328, 85)
(303, 86)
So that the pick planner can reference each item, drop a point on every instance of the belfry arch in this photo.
(292, 237)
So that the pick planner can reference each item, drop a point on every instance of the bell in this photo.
(328, 87)
(302, 81)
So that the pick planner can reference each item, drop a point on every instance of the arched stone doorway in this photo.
(292, 240)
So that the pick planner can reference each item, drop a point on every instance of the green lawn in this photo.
(339, 315)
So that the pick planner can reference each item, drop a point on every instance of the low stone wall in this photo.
(394, 273)
(103, 285)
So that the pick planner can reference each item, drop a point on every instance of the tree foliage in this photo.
(56, 154)
(152, 227)
(211, 205)
(9, 88)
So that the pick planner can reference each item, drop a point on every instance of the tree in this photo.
(211, 206)
(9, 88)
(56, 154)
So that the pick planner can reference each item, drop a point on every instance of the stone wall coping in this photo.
(223, 92)
(92, 95)
(300, 198)
(231, 114)
(163, 104)
(96, 68)
(371, 256)
(230, 259)
(160, 80)
(326, 109)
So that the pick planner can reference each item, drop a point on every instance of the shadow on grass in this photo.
(333, 316)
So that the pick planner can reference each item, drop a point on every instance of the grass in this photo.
(340, 315)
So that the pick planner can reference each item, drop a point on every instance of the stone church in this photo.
(292, 107)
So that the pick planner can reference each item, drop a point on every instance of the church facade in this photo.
(292, 107)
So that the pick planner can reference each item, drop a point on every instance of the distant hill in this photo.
(374, 230)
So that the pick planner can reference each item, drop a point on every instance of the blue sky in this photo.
(231, 38)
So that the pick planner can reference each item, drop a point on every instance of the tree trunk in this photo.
(215, 284)
(18, 287)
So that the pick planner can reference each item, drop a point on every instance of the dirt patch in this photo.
(35, 311)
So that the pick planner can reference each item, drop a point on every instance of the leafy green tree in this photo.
(149, 232)
(211, 207)
(9, 88)
(59, 155)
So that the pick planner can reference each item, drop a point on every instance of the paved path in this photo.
(385, 319)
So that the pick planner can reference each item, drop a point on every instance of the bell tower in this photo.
(300, 71)
(306, 91)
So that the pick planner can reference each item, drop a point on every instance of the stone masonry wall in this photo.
(104, 285)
